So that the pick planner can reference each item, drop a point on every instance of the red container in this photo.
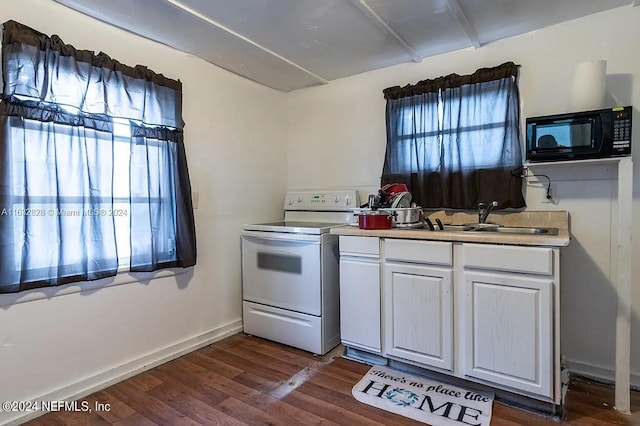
(387, 192)
(375, 220)
(392, 188)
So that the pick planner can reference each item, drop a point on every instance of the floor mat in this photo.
(422, 399)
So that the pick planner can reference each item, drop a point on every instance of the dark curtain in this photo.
(60, 113)
(455, 140)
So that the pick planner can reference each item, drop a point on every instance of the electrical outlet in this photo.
(195, 199)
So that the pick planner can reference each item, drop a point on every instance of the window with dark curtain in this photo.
(93, 172)
(455, 140)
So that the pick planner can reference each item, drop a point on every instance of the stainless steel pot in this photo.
(406, 216)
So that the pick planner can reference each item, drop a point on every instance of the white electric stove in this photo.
(290, 271)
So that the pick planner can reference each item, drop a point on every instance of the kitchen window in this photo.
(93, 171)
(454, 140)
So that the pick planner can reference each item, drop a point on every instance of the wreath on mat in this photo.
(401, 397)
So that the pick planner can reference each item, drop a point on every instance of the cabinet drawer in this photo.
(432, 252)
(360, 245)
(533, 260)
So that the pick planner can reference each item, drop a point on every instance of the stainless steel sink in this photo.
(517, 230)
(456, 228)
(520, 230)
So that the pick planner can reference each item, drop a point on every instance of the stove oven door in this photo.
(282, 270)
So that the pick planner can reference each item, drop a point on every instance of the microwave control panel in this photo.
(621, 131)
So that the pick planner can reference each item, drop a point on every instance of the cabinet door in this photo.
(360, 303)
(508, 330)
(419, 314)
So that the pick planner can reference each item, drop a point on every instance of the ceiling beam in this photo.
(245, 39)
(468, 29)
(380, 23)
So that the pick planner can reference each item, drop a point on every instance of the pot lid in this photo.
(401, 200)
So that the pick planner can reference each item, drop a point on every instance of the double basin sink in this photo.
(493, 228)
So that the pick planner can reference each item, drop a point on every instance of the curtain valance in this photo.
(17, 33)
(42, 68)
(482, 75)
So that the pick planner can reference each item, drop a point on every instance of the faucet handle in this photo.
(494, 203)
(481, 206)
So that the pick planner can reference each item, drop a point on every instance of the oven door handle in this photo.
(281, 236)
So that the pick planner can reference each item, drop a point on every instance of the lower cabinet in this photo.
(508, 331)
(419, 314)
(360, 304)
(508, 316)
(360, 293)
(484, 312)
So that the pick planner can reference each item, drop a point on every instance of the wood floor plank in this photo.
(327, 410)
(258, 360)
(51, 419)
(243, 392)
(348, 375)
(200, 411)
(329, 382)
(76, 418)
(246, 413)
(337, 398)
(149, 407)
(221, 368)
(184, 372)
(144, 381)
(285, 353)
(135, 419)
(261, 358)
(254, 367)
(244, 380)
(117, 411)
(182, 383)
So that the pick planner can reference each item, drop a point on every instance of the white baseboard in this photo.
(601, 374)
(122, 372)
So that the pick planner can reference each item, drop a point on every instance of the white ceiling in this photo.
(291, 44)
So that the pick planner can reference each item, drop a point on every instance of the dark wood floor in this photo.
(245, 380)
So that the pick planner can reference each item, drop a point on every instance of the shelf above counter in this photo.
(586, 162)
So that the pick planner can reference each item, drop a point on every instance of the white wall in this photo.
(236, 146)
(340, 127)
(239, 136)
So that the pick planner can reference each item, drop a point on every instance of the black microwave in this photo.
(580, 135)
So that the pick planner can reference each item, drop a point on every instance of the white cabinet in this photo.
(419, 314)
(508, 316)
(418, 302)
(508, 331)
(487, 313)
(360, 298)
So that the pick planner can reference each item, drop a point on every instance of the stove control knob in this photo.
(347, 200)
(290, 202)
(336, 199)
(300, 199)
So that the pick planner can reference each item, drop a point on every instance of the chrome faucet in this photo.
(483, 212)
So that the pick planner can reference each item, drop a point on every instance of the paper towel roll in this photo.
(588, 85)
